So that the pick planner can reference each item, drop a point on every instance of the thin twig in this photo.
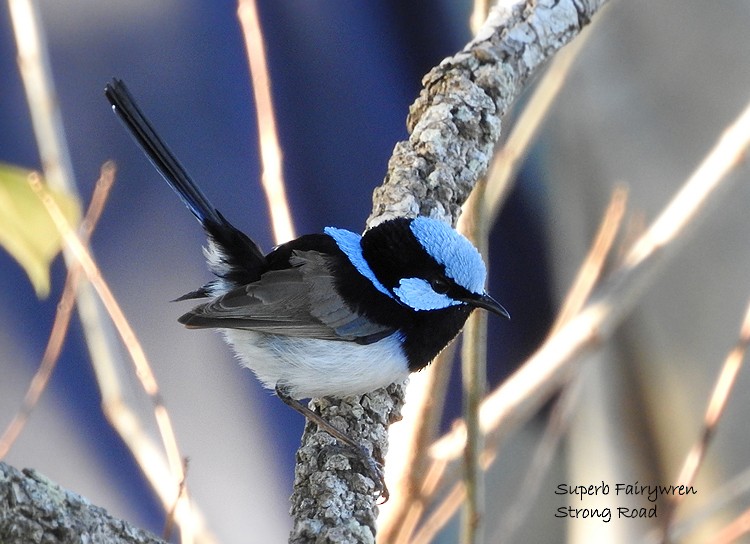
(272, 176)
(35, 71)
(539, 377)
(447, 507)
(583, 285)
(407, 458)
(474, 379)
(716, 406)
(739, 527)
(593, 264)
(181, 493)
(131, 342)
(59, 329)
(34, 66)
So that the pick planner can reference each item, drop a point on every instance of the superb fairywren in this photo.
(329, 314)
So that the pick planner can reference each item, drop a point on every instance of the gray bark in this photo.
(34, 509)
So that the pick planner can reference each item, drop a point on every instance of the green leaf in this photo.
(27, 231)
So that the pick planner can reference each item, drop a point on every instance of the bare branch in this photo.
(455, 123)
(62, 318)
(45, 512)
(717, 403)
(559, 420)
(167, 484)
(272, 176)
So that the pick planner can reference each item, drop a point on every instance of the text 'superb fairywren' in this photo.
(330, 314)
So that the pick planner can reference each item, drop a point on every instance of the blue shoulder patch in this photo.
(349, 243)
(462, 262)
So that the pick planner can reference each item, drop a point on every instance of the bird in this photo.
(326, 314)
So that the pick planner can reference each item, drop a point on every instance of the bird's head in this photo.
(426, 265)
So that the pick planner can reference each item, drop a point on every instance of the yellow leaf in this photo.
(26, 229)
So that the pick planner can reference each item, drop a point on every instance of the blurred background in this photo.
(647, 98)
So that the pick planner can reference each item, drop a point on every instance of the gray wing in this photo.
(299, 301)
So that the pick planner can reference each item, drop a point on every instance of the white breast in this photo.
(311, 367)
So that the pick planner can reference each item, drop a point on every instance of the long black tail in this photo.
(242, 261)
(124, 105)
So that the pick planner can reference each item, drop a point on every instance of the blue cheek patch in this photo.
(417, 294)
(349, 243)
(459, 257)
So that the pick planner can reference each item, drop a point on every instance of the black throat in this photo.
(429, 332)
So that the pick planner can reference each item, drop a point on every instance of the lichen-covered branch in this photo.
(455, 122)
(34, 509)
(454, 125)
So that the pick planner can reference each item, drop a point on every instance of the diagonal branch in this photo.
(423, 408)
(62, 317)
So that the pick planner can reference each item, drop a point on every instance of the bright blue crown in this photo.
(459, 258)
(462, 262)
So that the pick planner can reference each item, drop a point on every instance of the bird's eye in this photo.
(440, 285)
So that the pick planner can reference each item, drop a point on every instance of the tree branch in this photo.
(454, 126)
(34, 509)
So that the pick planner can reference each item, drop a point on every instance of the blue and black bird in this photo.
(331, 314)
